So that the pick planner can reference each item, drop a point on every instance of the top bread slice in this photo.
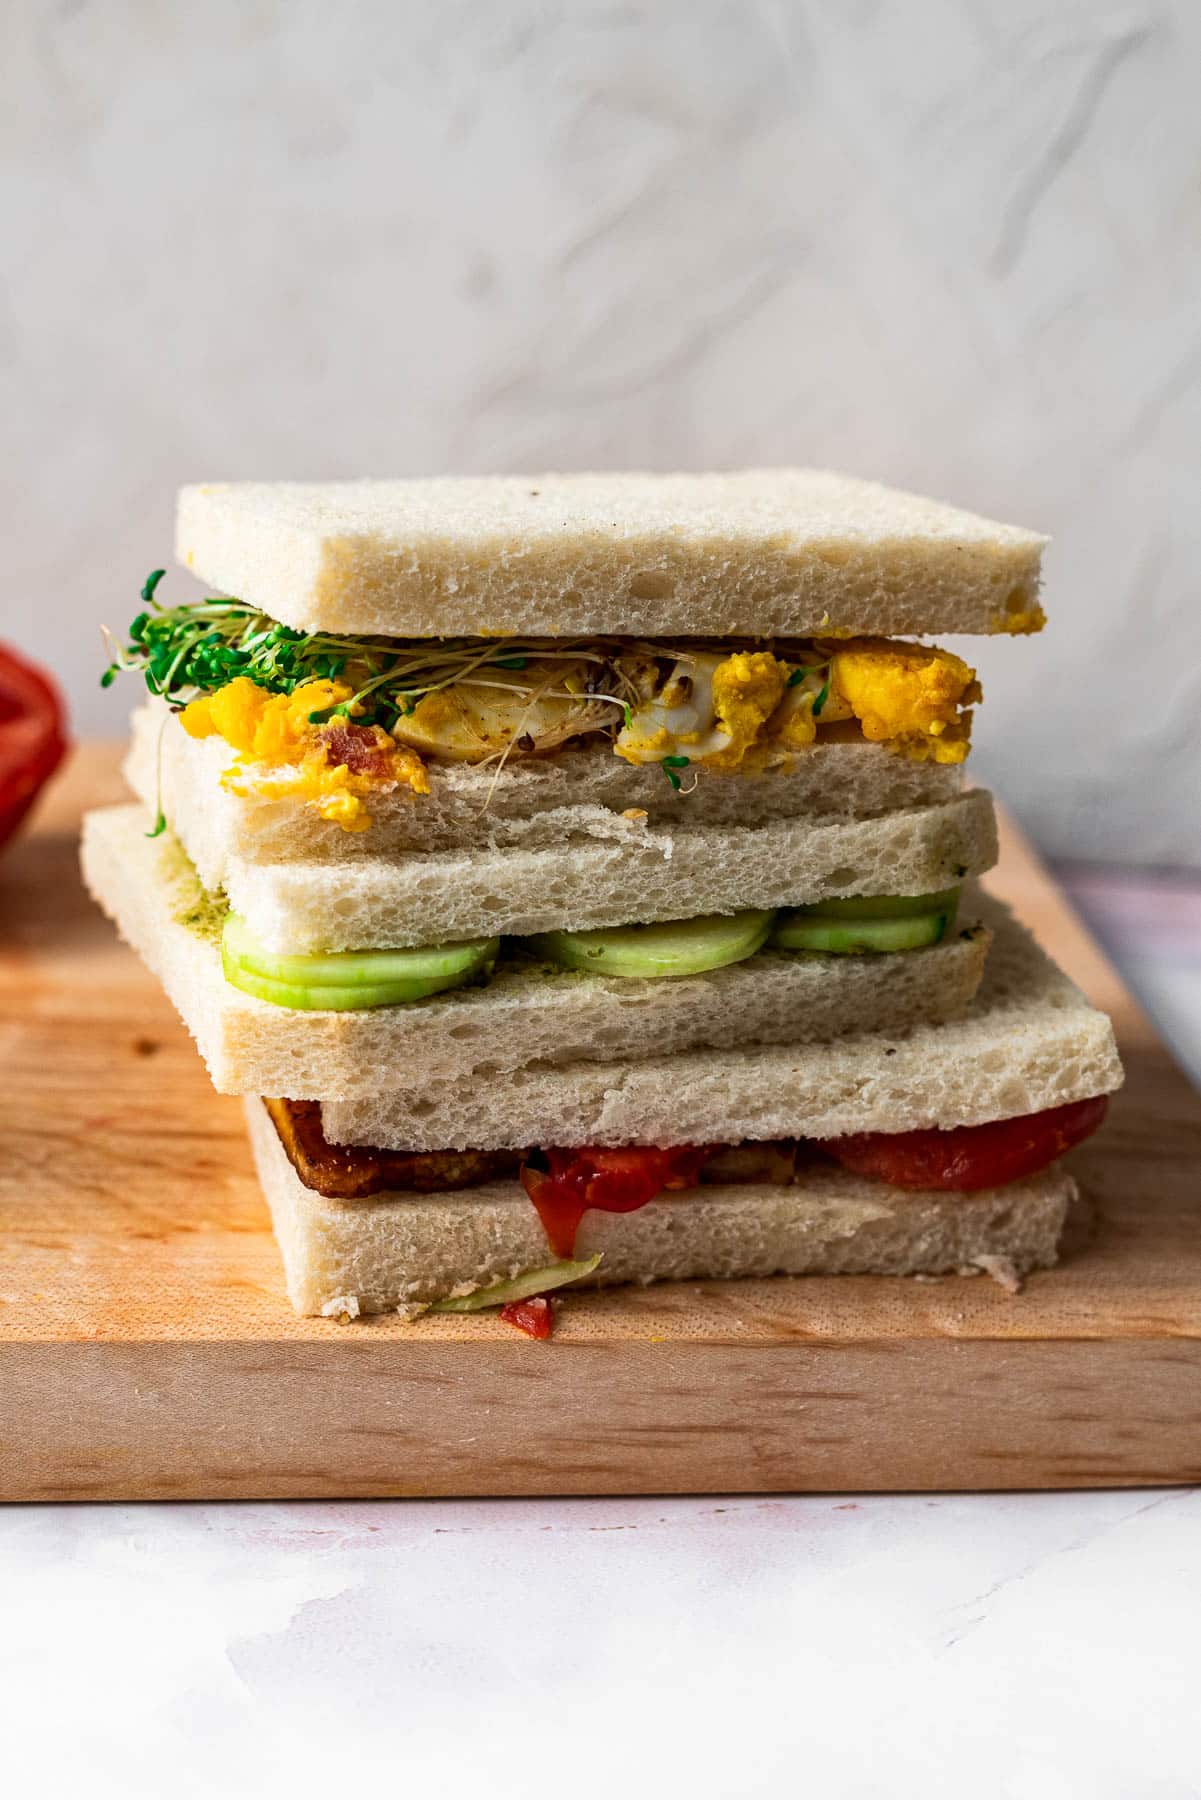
(753, 553)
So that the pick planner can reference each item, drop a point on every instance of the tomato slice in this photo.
(532, 1316)
(970, 1156)
(32, 737)
(619, 1181)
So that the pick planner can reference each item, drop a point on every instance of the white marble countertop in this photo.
(1028, 1647)
(1039, 1647)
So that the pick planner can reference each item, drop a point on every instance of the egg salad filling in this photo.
(291, 748)
(333, 720)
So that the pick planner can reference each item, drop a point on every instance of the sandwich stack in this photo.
(576, 876)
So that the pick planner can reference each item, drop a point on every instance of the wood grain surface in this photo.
(147, 1349)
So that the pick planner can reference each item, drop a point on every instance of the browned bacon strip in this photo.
(344, 1172)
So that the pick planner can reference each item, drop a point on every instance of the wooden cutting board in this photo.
(147, 1350)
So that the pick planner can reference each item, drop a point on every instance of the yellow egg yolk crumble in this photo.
(747, 688)
(753, 710)
(286, 754)
(906, 696)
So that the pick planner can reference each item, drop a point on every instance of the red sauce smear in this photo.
(533, 1316)
(619, 1181)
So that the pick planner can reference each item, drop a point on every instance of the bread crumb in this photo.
(1003, 1270)
(343, 1307)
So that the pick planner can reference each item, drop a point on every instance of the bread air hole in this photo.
(648, 586)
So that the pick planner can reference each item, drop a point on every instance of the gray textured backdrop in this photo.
(953, 245)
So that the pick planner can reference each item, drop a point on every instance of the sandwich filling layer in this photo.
(360, 980)
(565, 1184)
(404, 1253)
(333, 720)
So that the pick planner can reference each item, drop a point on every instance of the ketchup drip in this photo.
(578, 1181)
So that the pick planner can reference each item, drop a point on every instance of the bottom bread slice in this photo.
(396, 1252)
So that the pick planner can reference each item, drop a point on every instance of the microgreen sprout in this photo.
(201, 646)
(803, 671)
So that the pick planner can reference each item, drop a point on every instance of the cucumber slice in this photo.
(848, 937)
(521, 1287)
(346, 981)
(678, 947)
(881, 906)
(324, 999)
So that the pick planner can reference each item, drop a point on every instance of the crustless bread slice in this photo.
(759, 552)
(660, 872)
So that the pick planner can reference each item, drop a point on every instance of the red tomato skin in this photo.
(33, 739)
(533, 1316)
(970, 1157)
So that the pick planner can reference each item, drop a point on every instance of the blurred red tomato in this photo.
(33, 737)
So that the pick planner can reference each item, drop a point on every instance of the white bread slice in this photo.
(395, 1252)
(523, 1014)
(534, 801)
(752, 553)
(1029, 1040)
(666, 872)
